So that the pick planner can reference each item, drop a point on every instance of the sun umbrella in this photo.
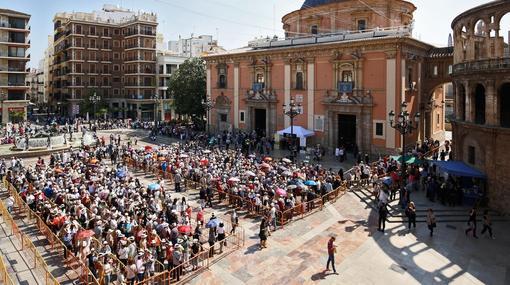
(281, 192)
(148, 148)
(184, 229)
(267, 159)
(183, 156)
(162, 158)
(233, 179)
(154, 186)
(249, 173)
(204, 162)
(310, 183)
(93, 161)
(286, 173)
(387, 180)
(264, 165)
(59, 170)
(206, 151)
(286, 160)
(213, 223)
(121, 173)
(292, 187)
(84, 234)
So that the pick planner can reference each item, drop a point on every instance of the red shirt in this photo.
(331, 247)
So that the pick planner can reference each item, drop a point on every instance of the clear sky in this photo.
(235, 22)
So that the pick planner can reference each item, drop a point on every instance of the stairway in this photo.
(444, 214)
(54, 259)
(20, 266)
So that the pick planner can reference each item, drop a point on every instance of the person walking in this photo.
(431, 221)
(383, 213)
(263, 232)
(487, 224)
(331, 254)
(472, 223)
(234, 219)
(411, 215)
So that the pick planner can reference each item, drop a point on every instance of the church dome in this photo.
(314, 3)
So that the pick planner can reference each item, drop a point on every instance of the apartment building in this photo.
(167, 63)
(194, 46)
(110, 53)
(14, 43)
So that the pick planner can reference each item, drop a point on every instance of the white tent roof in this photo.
(299, 131)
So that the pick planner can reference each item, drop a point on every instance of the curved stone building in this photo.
(481, 74)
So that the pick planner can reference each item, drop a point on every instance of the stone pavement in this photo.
(54, 260)
(21, 268)
(297, 254)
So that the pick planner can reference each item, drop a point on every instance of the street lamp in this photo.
(208, 104)
(404, 125)
(94, 99)
(157, 100)
(292, 110)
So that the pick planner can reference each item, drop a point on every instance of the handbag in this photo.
(433, 224)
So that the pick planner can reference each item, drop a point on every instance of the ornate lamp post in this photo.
(208, 104)
(292, 110)
(157, 101)
(404, 125)
(94, 99)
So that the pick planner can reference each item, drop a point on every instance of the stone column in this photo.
(236, 95)
(311, 94)
(469, 103)
(491, 110)
(391, 89)
(286, 91)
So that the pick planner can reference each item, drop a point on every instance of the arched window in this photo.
(314, 30)
(479, 104)
(504, 105)
(299, 80)
(222, 81)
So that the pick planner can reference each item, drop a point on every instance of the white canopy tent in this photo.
(300, 132)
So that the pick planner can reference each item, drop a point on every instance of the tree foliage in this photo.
(188, 87)
(86, 106)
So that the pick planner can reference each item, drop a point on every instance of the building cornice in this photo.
(325, 49)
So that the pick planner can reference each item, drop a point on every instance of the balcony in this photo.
(140, 33)
(17, 26)
(482, 66)
(14, 69)
(355, 97)
(134, 46)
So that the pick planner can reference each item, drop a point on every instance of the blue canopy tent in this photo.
(458, 168)
(471, 179)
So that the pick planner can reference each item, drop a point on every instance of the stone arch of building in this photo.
(477, 32)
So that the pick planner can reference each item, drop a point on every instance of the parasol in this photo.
(84, 234)
(249, 173)
(204, 162)
(184, 229)
(183, 156)
(59, 170)
(154, 186)
(265, 165)
(286, 160)
(162, 158)
(291, 187)
(267, 159)
(213, 223)
(93, 161)
(121, 173)
(310, 183)
(148, 148)
(281, 192)
(206, 151)
(233, 179)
